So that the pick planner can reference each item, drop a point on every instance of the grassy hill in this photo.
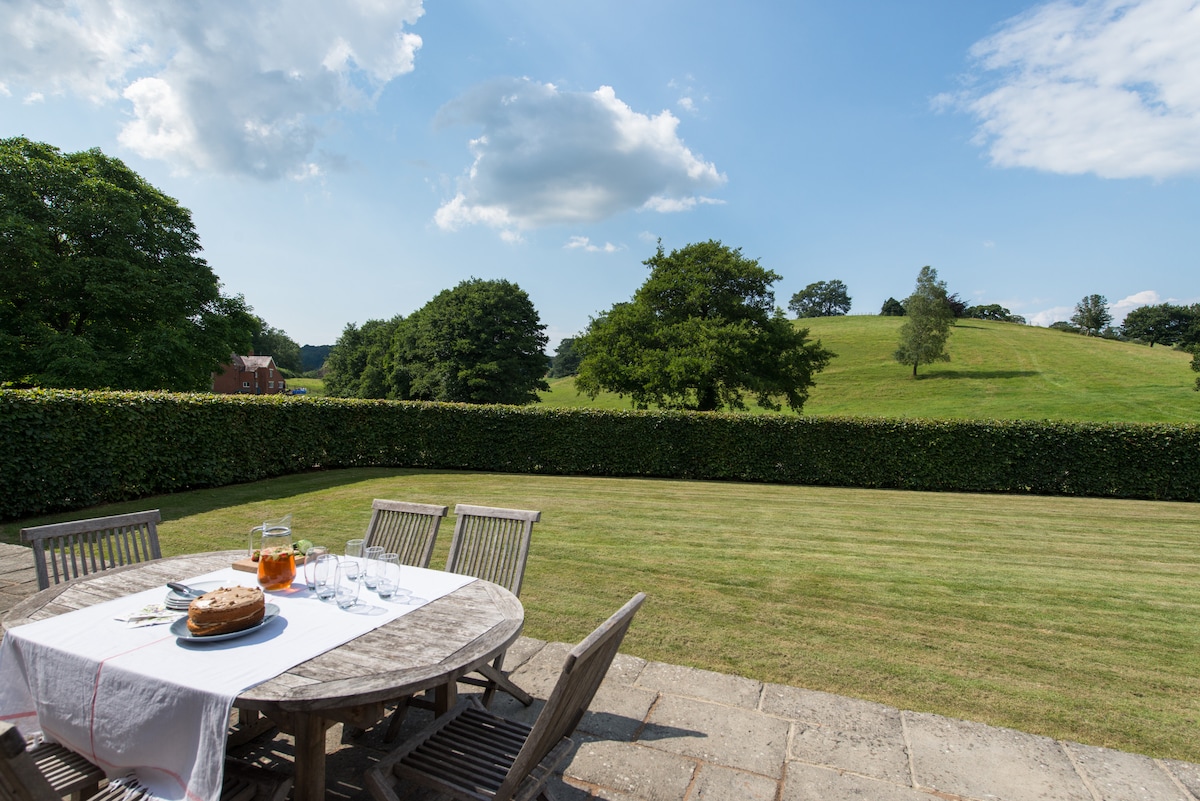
(997, 370)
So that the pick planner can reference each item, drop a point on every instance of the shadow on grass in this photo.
(186, 503)
(977, 375)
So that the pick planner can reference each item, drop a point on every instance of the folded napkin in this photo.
(150, 615)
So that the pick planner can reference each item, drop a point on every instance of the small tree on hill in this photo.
(1091, 315)
(1163, 323)
(892, 308)
(822, 299)
(927, 323)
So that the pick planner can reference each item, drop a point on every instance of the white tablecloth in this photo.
(138, 701)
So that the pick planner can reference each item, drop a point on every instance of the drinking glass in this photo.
(346, 585)
(388, 583)
(311, 557)
(354, 548)
(325, 573)
(371, 567)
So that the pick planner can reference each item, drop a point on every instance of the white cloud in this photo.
(1051, 315)
(1110, 87)
(585, 243)
(551, 157)
(242, 88)
(1124, 306)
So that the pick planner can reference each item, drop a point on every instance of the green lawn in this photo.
(1073, 618)
(997, 370)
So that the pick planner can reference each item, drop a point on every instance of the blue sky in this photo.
(346, 162)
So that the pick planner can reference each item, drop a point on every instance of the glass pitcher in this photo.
(276, 558)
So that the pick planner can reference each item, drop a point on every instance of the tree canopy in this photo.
(481, 342)
(270, 341)
(699, 334)
(355, 367)
(566, 358)
(992, 311)
(1091, 315)
(101, 283)
(927, 323)
(821, 299)
(891, 308)
(1163, 323)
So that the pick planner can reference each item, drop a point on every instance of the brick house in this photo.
(249, 375)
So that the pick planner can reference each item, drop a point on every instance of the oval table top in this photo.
(439, 642)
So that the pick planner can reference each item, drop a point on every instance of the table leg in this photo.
(445, 696)
(310, 758)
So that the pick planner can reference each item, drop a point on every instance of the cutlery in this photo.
(184, 589)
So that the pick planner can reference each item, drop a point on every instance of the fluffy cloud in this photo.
(240, 88)
(1110, 87)
(548, 157)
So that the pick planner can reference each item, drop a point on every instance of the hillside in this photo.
(997, 370)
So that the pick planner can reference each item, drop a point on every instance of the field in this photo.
(997, 370)
(1072, 618)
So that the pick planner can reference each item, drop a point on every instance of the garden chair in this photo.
(407, 529)
(470, 753)
(24, 777)
(65, 551)
(489, 543)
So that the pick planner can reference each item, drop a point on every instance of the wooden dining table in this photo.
(427, 649)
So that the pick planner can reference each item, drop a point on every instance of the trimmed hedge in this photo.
(66, 450)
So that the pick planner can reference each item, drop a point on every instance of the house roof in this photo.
(252, 363)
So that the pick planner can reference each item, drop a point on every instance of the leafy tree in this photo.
(927, 323)
(355, 367)
(1163, 323)
(1196, 367)
(269, 341)
(101, 283)
(892, 308)
(1091, 315)
(993, 311)
(702, 331)
(957, 307)
(822, 299)
(312, 357)
(1063, 325)
(481, 342)
(566, 358)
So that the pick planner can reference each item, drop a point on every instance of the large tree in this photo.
(1091, 315)
(927, 323)
(100, 281)
(359, 363)
(1162, 323)
(700, 333)
(480, 342)
(566, 358)
(822, 299)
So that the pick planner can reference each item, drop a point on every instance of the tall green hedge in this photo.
(65, 450)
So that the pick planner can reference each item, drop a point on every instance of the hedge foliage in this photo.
(66, 450)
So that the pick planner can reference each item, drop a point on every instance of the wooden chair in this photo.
(471, 754)
(23, 777)
(492, 544)
(65, 551)
(407, 529)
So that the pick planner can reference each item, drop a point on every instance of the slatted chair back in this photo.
(492, 544)
(407, 529)
(20, 779)
(583, 670)
(63, 551)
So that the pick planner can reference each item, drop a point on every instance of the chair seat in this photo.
(67, 771)
(470, 753)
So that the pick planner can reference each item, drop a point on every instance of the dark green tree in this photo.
(356, 366)
(1091, 315)
(481, 342)
(822, 299)
(702, 331)
(892, 308)
(1162, 323)
(1196, 367)
(566, 358)
(927, 323)
(270, 341)
(993, 311)
(101, 284)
